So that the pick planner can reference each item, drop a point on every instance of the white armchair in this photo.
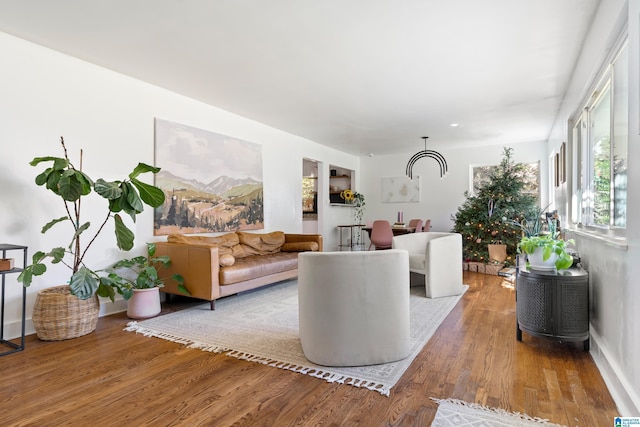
(437, 256)
(354, 307)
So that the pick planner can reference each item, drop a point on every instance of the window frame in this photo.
(582, 216)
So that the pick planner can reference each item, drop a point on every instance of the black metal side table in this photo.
(4, 247)
(553, 304)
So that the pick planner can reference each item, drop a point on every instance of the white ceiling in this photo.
(364, 76)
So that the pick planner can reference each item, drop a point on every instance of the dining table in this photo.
(395, 229)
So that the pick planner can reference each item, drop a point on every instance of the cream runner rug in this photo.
(452, 412)
(262, 326)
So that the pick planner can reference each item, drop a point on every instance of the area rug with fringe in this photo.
(262, 326)
(453, 412)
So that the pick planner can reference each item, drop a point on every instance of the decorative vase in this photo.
(144, 303)
(58, 315)
(536, 262)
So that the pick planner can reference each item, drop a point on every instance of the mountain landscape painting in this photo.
(212, 182)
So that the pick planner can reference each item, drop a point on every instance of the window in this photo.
(530, 175)
(600, 140)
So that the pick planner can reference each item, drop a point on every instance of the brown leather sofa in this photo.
(217, 266)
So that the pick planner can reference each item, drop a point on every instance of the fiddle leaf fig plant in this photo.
(72, 185)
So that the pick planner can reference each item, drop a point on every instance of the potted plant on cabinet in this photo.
(545, 249)
(141, 282)
(79, 312)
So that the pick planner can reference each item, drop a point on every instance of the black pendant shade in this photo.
(427, 153)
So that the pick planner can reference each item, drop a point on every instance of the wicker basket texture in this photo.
(58, 315)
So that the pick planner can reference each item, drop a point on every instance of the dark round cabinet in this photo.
(554, 305)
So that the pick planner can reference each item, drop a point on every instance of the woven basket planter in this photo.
(58, 315)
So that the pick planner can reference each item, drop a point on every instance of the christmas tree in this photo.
(482, 217)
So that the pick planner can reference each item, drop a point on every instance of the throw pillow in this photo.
(299, 246)
(226, 260)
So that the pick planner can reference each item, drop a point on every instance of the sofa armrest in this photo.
(198, 264)
(294, 238)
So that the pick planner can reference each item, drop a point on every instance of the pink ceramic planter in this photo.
(144, 303)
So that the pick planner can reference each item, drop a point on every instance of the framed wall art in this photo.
(401, 189)
(212, 182)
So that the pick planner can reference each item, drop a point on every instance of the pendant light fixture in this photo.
(427, 153)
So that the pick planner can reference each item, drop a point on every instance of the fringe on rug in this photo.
(498, 411)
(314, 372)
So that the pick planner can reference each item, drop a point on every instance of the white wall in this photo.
(439, 198)
(45, 94)
(613, 267)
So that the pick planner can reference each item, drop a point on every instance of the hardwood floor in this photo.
(117, 378)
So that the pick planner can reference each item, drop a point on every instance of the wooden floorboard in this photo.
(117, 378)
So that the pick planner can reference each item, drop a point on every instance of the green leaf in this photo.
(106, 291)
(85, 181)
(181, 287)
(151, 195)
(108, 190)
(78, 232)
(143, 168)
(164, 260)
(133, 198)
(564, 262)
(124, 236)
(26, 277)
(42, 178)
(123, 201)
(38, 257)
(114, 205)
(128, 263)
(52, 223)
(83, 283)
(57, 254)
(151, 249)
(38, 269)
(58, 162)
(69, 188)
(126, 294)
(53, 179)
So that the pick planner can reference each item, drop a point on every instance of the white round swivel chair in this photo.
(354, 307)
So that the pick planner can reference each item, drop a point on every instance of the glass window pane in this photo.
(601, 154)
(620, 137)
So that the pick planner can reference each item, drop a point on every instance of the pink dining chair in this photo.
(381, 235)
(427, 225)
(418, 227)
(413, 223)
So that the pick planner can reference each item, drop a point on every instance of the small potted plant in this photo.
(73, 308)
(545, 249)
(546, 252)
(140, 282)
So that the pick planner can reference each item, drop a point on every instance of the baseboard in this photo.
(627, 402)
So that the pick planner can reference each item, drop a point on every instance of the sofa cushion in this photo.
(261, 243)
(254, 266)
(226, 243)
(299, 247)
